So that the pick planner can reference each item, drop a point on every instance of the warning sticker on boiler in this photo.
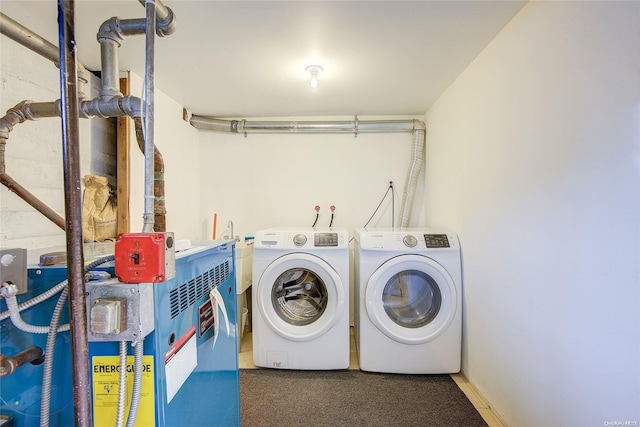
(180, 361)
(105, 378)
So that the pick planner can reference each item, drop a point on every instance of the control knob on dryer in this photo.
(410, 241)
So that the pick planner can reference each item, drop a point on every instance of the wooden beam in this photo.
(123, 168)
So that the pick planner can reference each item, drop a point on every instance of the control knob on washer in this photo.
(410, 241)
(299, 239)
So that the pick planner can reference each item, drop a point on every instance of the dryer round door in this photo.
(300, 296)
(411, 299)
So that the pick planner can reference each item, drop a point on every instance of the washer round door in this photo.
(411, 299)
(300, 296)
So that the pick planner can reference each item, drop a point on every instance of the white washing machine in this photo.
(301, 298)
(408, 290)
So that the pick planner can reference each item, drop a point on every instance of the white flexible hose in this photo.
(122, 384)
(47, 374)
(138, 352)
(417, 159)
(38, 299)
(14, 313)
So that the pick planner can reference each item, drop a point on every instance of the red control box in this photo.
(144, 257)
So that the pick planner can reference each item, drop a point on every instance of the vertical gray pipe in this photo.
(149, 118)
(73, 211)
(110, 68)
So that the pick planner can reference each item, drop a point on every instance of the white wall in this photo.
(34, 149)
(178, 143)
(533, 158)
(272, 180)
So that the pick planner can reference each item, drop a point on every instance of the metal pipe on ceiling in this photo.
(294, 126)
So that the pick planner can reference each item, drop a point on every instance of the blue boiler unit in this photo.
(190, 362)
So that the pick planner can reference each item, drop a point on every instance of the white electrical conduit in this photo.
(47, 374)
(355, 126)
(16, 319)
(138, 353)
(122, 384)
(37, 300)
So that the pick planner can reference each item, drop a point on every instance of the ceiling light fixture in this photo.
(314, 70)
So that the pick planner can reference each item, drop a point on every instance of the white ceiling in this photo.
(247, 58)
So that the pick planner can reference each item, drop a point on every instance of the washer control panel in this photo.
(325, 239)
(321, 238)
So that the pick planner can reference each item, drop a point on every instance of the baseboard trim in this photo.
(478, 401)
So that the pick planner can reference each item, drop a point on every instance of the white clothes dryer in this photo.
(408, 287)
(301, 298)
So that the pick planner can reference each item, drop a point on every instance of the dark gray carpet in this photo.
(273, 397)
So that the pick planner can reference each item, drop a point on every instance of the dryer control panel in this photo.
(406, 240)
(436, 241)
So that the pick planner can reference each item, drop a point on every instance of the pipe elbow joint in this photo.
(419, 125)
(14, 116)
(22, 111)
(110, 31)
(168, 26)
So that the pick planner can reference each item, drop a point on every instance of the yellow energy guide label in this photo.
(106, 375)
